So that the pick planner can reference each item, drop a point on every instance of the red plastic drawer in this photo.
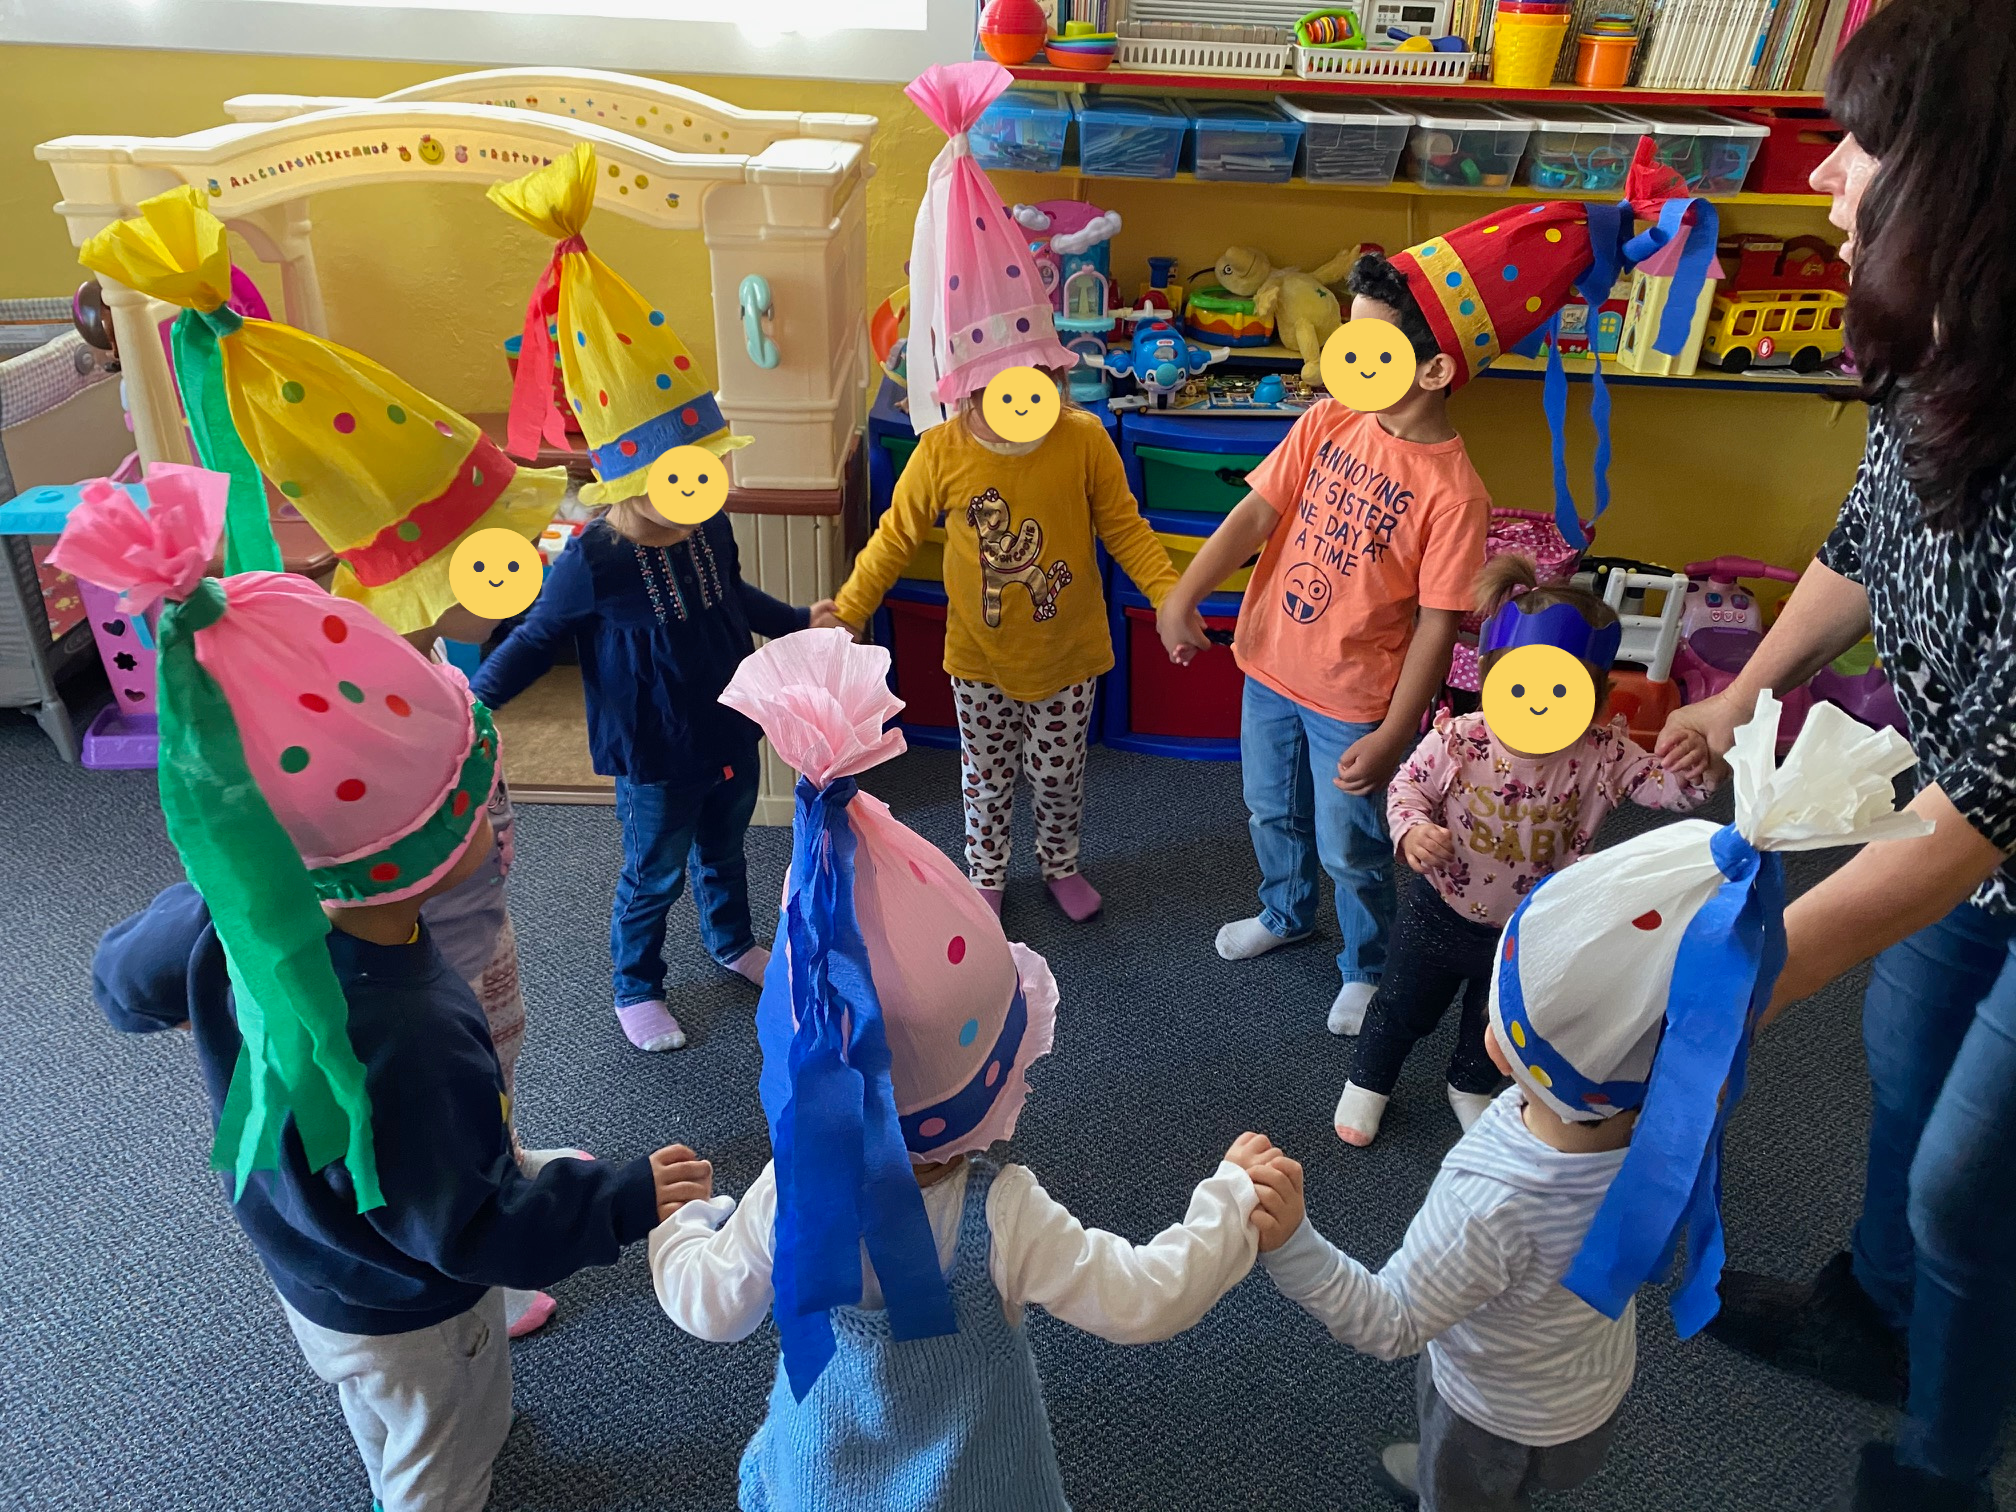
(918, 631)
(1197, 702)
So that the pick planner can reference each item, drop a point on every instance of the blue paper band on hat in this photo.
(1676, 321)
(1560, 625)
(1531, 1048)
(843, 1173)
(961, 1113)
(656, 436)
(1670, 1182)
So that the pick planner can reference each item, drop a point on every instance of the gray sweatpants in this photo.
(429, 1409)
(1464, 1468)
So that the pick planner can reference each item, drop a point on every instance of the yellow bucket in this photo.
(1525, 49)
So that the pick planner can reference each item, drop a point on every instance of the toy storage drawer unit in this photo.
(1177, 538)
(1246, 141)
(1356, 142)
(916, 636)
(1023, 130)
(1197, 702)
(1131, 138)
(1458, 146)
(1194, 482)
(1796, 142)
(1580, 148)
(1712, 152)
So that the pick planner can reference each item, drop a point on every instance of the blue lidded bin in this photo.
(1245, 141)
(1131, 138)
(1023, 131)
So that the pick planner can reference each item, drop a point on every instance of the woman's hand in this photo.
(1697, 735)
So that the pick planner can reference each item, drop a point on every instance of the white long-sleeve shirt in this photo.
(711, 1261)
(1477, 1283)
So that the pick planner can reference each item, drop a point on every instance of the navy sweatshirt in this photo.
(660, 630)
(459, 1217)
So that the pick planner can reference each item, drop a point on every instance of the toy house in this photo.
(1577, 336)
(1071, 243)
(1651, 284)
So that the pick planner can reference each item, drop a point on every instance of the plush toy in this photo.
(1304, 312)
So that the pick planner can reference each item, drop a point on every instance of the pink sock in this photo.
(751, 964)
(1078, 898)
(993, 897)
(527, 1312)
(650, 1026)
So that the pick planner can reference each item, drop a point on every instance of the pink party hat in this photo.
(973, 289)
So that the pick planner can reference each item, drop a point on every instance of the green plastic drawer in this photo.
(1194, 482)
(899, 449)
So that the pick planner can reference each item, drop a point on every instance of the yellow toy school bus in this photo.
(1795, 328)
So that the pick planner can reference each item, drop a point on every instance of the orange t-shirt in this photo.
(1371, 527)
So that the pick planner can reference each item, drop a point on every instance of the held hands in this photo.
(826, 616)
(680, 1177)
(1182, 630)
(1278, 1182)
(1427, 847)
(1370, 762)
(1694, 738)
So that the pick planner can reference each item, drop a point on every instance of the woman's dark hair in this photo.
(1375, 278)
(1926, 87)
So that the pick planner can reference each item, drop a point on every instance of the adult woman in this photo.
(1925, 552)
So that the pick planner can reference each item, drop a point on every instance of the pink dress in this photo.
(1515, 819)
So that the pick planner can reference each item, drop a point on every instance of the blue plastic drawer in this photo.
(1025, 130)
(1131, 138)
(1247, 141)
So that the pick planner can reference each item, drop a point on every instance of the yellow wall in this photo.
(429, 281)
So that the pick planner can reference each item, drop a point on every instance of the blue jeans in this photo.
(666, 830)
(1301, 818)
(1936, 1244)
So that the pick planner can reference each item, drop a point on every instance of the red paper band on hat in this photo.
(431, 527)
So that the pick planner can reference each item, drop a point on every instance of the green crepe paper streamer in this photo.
(199, 373)
(296, 1058)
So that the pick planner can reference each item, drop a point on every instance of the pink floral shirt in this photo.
(1515, 819)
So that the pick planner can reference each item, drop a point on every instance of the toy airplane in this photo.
(1160, 360)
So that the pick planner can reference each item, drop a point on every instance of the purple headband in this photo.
(1559, 625)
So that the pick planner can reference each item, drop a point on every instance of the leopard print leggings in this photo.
(999, 736)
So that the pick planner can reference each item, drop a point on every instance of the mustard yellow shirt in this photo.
(1025, 609)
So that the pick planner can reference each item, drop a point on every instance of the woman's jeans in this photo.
(1301, 818)
(666, 831)
(1936, 1244)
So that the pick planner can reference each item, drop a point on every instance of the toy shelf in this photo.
(1398, 187)
(1782, 381)
(1426, 89)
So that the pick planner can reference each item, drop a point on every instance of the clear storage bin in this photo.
(1126, 138)
(1580, 149)
(1248, 141)
(1024, 129)
(1713, 152)
(1348, 141)
(1456, 146)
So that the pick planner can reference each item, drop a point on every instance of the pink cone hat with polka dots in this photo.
(974, 294)
(964, 1011)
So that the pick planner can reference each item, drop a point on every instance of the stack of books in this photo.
(1747, 44)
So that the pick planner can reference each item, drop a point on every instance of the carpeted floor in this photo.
(146, 1365)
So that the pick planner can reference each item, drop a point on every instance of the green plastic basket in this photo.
(1191, 482)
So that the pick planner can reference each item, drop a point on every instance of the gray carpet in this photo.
(146, 1365)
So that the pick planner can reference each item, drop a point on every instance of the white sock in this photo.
(1470, 1106)
(1243, 939)
(751, 964)
(532, 1162)
(1347, 1009)
(1358, 1114)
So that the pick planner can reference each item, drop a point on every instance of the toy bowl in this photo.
(1011, 47)
(1080, 59)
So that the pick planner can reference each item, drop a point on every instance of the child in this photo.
(1370, 529)
(1517, 1277)
(1026, 635)
(321, 781)
(657, 611)
(896, 1032)
(1480, 822)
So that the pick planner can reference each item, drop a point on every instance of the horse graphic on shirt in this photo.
(1009, 555)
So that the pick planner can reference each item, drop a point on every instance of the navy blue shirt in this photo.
(459, 1217)
(660, 630)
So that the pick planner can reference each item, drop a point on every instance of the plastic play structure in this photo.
(778, 197)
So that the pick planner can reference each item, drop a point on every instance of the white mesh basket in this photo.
(1377, 63)
(1169, 56)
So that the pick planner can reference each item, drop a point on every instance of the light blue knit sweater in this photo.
(951, 1424)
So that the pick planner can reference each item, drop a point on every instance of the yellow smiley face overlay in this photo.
(1538, 699)
(688, 484)
(495, 573)
(1021, 404)
(1368, 365)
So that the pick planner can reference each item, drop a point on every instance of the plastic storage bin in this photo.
(1713, 152)
(1796, 142)
(1455, 146)
(1247, 141)
(1126, 138)
(1578, 149)
(1151, 705)
(1208, 484)
(1178, 539)
(1348, 142)
(1024, 129)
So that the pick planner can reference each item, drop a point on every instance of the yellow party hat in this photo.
(390, 478)
(634, 387)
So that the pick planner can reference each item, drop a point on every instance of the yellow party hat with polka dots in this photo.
(390, 478)
(635, 390)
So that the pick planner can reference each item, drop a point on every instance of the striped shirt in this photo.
(1477, 1283)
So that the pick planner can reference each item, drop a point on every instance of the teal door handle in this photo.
(755, 298)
